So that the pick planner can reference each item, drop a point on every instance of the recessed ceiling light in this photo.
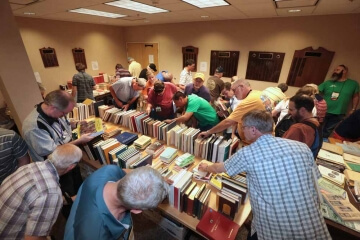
(135, 6)
(294, 10)
(146, 20)
(97, 13)
(204, 16)
(29, 13)
(207, 3)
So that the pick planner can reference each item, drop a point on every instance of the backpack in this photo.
(284, 125)
(317, 144)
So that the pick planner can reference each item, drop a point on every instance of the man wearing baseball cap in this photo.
(215, 84)
(198, 88)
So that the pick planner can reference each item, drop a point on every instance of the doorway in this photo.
(144, 53)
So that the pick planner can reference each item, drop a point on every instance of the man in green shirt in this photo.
(196, 107)
(338, 93)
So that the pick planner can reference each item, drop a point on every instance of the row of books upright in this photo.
(82, 111)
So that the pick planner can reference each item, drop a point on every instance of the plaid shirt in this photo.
(30, 201)
(84, 83)
(281, 182)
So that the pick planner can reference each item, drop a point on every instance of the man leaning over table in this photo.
(197, 109)
(125, 92)
(283, 196)
(250, 100)
(103, 206)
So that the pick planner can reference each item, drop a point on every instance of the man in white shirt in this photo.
(185, 75)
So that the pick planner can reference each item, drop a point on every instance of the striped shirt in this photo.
(282, 189)
(30, 201)
(12, 147)
(84, 83)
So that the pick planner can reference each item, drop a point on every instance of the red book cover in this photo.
(214, 226)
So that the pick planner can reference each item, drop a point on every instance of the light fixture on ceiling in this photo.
(204, 16)
(96, 13)
(29, 13)
(207, 3)
(136, 6)
(294, 10)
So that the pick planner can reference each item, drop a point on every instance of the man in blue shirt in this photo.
(105, 201)
(283, 197)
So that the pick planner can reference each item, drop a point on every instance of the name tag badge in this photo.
(335, 96)
(158, 109)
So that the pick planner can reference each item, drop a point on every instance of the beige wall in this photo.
(104, 44)
(339, 33)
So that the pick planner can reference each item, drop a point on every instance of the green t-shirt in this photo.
(343, 93)
(202, 110)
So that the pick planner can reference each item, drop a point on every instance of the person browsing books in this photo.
(250, 100)
(195, 107)
(125, 92)
(159, 103)
(47, 127)
(103, 207)
(198, 88)
(283, 196)
(82, 84)
(30, 198)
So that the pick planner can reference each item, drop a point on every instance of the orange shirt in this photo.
(148, 85)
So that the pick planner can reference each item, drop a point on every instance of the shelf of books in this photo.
(132, 139)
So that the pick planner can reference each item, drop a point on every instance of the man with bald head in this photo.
(251, 100)
(30, 198)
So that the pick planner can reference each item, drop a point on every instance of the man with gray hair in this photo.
(251, 99)
(125, 92)
(30, 198)
(103, 206)
(283, 196)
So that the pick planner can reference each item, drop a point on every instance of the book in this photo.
(94, 127)
(190, 201)
(332, 148)
(329, 188)
(333, 176)
(185, 160)
(353, 149)
(343, 208)
(127, 138)
(331, 157)
(203, 203)
(168, 155)
(155, 149)
(351, 158)
(142, 142)
(214, 226)
(185, 195)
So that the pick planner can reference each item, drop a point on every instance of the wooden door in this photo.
(143, 53)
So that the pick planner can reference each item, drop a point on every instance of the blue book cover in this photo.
(127, 138)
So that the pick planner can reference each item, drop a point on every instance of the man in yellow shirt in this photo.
(134, 67)
(251, 99)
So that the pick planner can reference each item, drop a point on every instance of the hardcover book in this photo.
(214, 226)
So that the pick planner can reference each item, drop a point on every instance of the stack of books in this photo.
(142, 142)
(333, 176)
(236, 185)
(111, 132)
(155, 149)
(109, 114)
(342, 207)
(185, 160)
(330, 156)
(168, 155)
(200, 175)
(128, 157)
(102, 149)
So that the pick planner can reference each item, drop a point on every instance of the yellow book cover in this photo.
(95, 127)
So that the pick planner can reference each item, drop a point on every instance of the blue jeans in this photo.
(132, 106)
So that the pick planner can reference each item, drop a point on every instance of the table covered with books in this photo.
(175, 151)
(339, 165)
(131, 139)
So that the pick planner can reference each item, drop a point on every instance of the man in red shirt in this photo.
(160, 103)
(304, 130)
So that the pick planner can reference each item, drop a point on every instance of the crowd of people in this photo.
(32, 193)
